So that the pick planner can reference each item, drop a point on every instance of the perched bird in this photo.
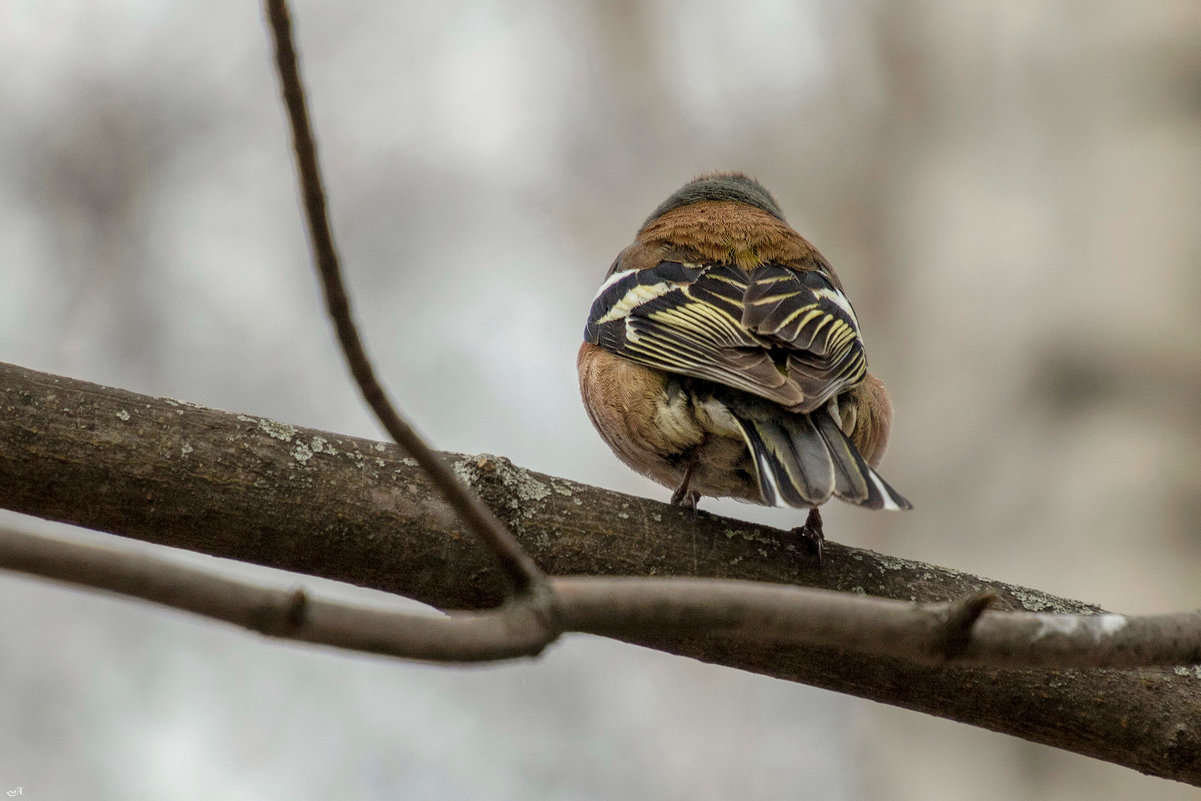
(722, 358)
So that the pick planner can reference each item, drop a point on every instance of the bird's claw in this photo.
(812, 535)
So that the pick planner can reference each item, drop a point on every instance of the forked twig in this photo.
(527, 578)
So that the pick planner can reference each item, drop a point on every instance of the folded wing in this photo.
(783, 334)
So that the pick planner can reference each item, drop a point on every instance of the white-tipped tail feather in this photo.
(802, 460)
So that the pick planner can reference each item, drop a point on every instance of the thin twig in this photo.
(517, 564)
(625, 608)
(287, 613)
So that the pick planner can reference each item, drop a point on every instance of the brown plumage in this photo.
(722, 358)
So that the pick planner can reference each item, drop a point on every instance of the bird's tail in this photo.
(802, 459)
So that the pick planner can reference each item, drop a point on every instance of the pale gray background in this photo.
(1010, 190)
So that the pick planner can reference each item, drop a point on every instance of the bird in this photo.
(722, 358)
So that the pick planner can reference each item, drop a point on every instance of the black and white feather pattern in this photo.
(786, 335)
(804, 459)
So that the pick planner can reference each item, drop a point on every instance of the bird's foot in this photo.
(811, 534)
(683, 496)
(686, 498)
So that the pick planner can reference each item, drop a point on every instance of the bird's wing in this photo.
(783, 334)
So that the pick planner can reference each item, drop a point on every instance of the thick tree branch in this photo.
(247, 488)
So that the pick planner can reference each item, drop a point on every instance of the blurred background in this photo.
(1010, 191)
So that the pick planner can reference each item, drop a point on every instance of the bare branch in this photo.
(349, 509)
(919, 633)
(517, 564)
(627, 607)
(508, 632)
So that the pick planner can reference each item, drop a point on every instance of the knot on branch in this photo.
(953, 630)
(509, 491)
(280, 615)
